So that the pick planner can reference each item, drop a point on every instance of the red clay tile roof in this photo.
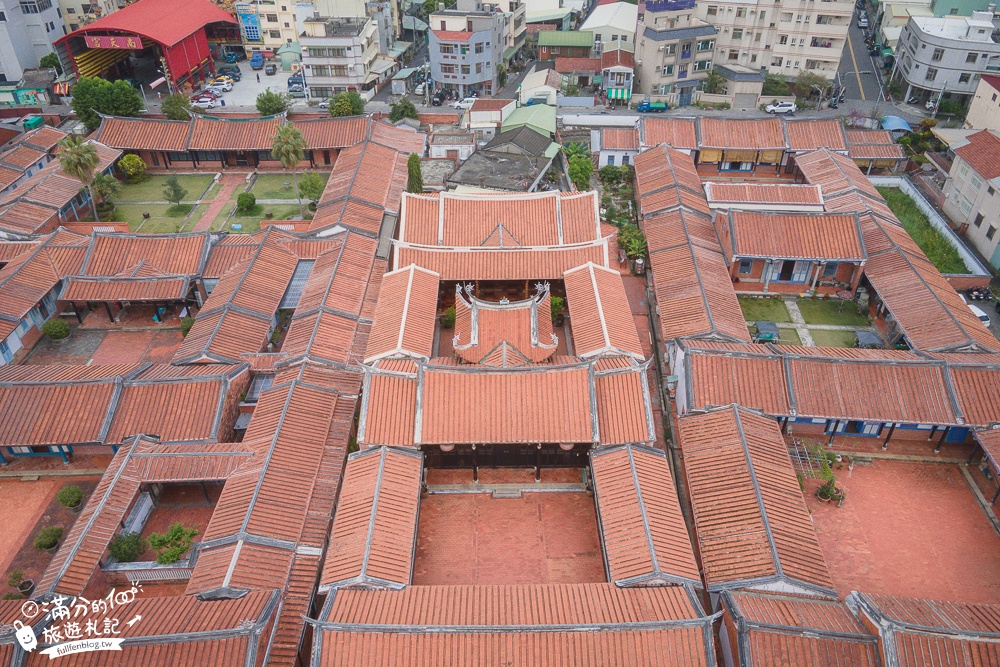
(774, 629)
(732, 134)
(572, 65)
(835, 173)
(600, 316)
(374, 534)
(666, 178)
(776, 194)
(134, 289)
(490, 104)
(405, 316)
(546, 263)
(174, 254)
(25, 217)
(929, 633)
(617, 58)
(9, 176)
(982, 152)
(752, 523)
(588, 625)
(503, 334)
(619, 139)
(508, 220)
(329, 133)
(807, 135)
(23, 157)
(645, 538)
(210, 133)
(873, 145)
(816, 236)
(144, 134)
(45, 137)
(400, 138)
(414, 403)
(680, 133)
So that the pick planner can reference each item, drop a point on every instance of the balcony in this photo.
(685, 55)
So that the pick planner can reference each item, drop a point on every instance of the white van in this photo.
(978, 312)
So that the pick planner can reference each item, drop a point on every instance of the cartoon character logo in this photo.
(25, 636)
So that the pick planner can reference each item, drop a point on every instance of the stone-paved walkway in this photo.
(227, 186)
(802, 328)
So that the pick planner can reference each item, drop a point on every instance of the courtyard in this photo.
(908, 529)
(108, 346)
(811, 322)
(538, 538)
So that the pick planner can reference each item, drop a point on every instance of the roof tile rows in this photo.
(405, 316)
(503, 334)
(982, 152)
(822, 237)
(643, 531)
(736, 195)
(599, 312)
(752, 524)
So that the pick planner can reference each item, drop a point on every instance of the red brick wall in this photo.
(968, 282)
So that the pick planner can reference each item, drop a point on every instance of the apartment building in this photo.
(613, 25)
(78, 13)
(945, 57)
(465, 48)
(27, 30)
(787, 38)
(674, 49)
(984, 110)
(339, 54)
(515, 30)
(972, 192)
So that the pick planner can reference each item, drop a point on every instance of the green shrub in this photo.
(56, 328)
(48, 537)
(557, 303)
(13, 596)
(70, 496)
(173, 544)
(15, 578)
(448, 318)
(186, 324)
(133, 166)
(245, 201)
(127, 547)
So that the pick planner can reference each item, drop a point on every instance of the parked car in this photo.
(231, 71)
(419, 90)
(437, 100)
(296, 91)
(203, 103)
(978, 312)
(220, 87)
(464, 104)
(224, 78)
(235, 56)
(257, 60)
(325, 104)
(207, 92)
(270, 69)
(651, 107)
(781, 107)
(862, 22)
(296, 80)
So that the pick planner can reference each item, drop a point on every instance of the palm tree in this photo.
(289, 148)
(79, 159)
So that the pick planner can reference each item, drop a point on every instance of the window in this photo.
(830, 270)
(614, 38)
(34, 6)
(448, 69)
(706, 45)
(741, 13)
(746, 265)
(703, 65)
(931, 74)
(991, 232)
(971, 58)
(964, 78)
(271, 18)
(479, 47)
(978, 222)
(466, 69)
(712, 10)
(448, 48)
(71, 10)
(3, 18)
(938, 54)
(320, 70)
(597, 37)
(734, 55)
(990, 191)
(287, 24)
(611, 160)
(668, 70)
(737, 33)
(783, 39)
(274, 34)
(479, 68)
(670, 49)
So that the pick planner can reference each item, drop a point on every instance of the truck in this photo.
(257, 60)
(651, 107)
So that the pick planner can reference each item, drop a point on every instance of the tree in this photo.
(311, 186)
(414, 179)
(501, 75)
(93, 96)
(289, 146)
(245, 201)
(580, 169)
(132, 165)
(774, 84)
(270, 103)
(176, 107)
(173, 191)
(714, 83)
(51, 60)
(575, 149)
(347, 104)
(340, 106)
(807, 81)
(79, 159)
(402, 108)
(107, 186)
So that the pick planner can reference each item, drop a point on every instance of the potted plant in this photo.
(71, 496)
(48, 538)
(448, 318)
(557, 303)
(127, 547)
(24, 586)
(825, 492)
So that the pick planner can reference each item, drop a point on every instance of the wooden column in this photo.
(833, 431)
(475, 464)
(947, 430)
(885, 443)
(538, 462)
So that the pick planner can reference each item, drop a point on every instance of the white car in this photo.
(781, 107)
(203, 103)
(325, 104)
(419, 90)
(862, 22)
(978, 312)
(464, 104)
(220, 87)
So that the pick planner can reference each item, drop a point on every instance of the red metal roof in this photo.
(617, 58)
(163, 21)
(581, 65)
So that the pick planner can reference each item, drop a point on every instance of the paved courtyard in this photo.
(909, 529)
(539, 538)
(102, 346)
(30, 499)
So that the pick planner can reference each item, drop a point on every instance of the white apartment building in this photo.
(385, 13)
(674, 50)
(515, 30)
(27, 30)
(78, 13)
(972, 192)
(984, 111)
(339, 55)
(782, 38)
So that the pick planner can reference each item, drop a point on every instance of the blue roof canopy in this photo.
(894, 123)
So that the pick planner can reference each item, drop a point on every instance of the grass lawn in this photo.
(815, 311)
(931, 241)
(832, 338)
(770, 310)
(152, 190)
(788, 337)
(251, 219)
(272, 186)
(163, 219)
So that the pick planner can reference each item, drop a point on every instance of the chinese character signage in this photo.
(117, 42)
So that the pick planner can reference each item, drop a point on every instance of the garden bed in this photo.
(816, 311)
(824, 338)
(934, 244)
(152, 189)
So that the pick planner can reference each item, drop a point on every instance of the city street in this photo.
(859, 72)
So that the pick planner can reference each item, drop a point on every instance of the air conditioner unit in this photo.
(660, 48)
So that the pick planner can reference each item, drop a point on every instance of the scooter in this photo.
(912, 100)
